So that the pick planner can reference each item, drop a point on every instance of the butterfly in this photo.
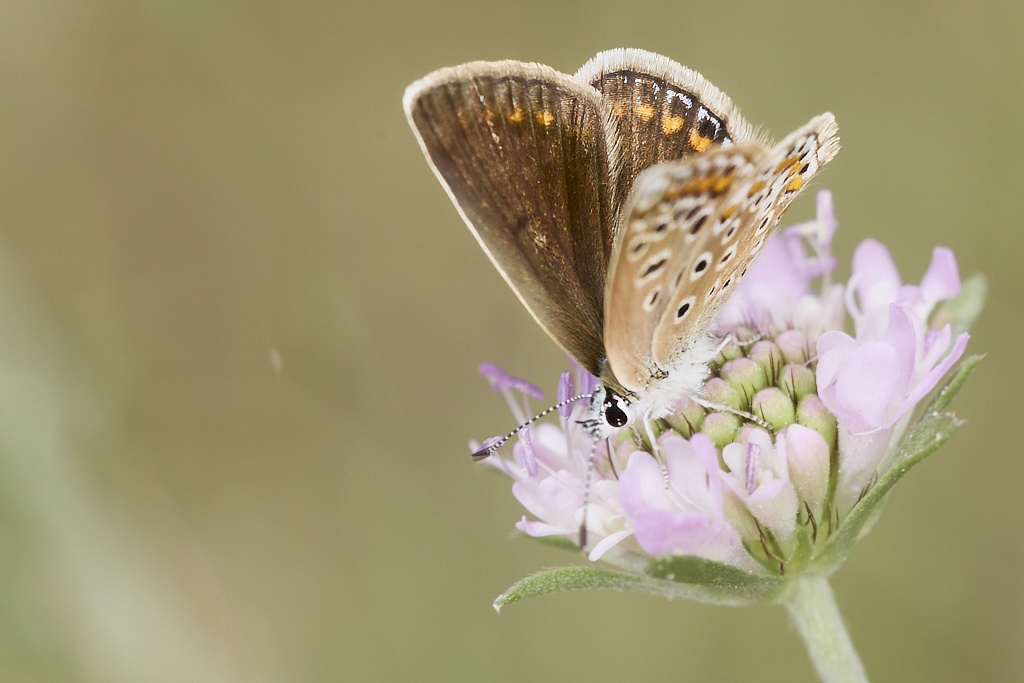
(622, 204)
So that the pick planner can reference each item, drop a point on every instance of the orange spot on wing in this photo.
(672, 124)
(544, 118)
(698, 141)
(645, 111)
(789, 162)
(696, 186)
(721, 183)
(795, 184)
(755, 188)
(715, 184)
(517, 115)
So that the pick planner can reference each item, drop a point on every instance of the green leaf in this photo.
(931, 431)
(564, 579)
(691, 577)
(804, 545)
(945, 394)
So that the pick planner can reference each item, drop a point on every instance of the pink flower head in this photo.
(757, 499)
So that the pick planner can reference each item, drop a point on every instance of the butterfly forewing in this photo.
(523, 152)
(660, 110)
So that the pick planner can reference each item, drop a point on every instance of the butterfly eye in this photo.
(615, 410)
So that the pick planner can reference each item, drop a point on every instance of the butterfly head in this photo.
(611, 410)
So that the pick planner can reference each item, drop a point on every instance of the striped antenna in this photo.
(489, 450)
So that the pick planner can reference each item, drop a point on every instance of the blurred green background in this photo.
(240, 323)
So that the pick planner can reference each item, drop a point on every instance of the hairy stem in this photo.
(813, 609)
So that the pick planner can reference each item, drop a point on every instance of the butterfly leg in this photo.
(722, 407)
(591, 466)
(655, 451)
(588, 484)
(743, 343)
(726, 340)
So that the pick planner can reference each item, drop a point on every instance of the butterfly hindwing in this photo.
(690, 230)
(523, 152)
(667, 225)
(748, 215)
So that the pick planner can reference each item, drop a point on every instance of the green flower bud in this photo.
(745, 375)
(797, 381)
(774, 407)
(721, 428)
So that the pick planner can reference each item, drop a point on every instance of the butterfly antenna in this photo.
(491, 449)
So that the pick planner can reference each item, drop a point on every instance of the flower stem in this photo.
(813, 609)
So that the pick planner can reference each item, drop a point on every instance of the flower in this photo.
(686, 517)
(763, 496)
(810, 403)
(872, 381)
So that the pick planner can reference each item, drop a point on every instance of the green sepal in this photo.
(804, 548)
(715, 582)
(944, 396)
(961, 311)
(931, 431)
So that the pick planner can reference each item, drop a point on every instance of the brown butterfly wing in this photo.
(660, 111)
(523, 152)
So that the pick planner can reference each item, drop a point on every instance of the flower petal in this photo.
(566, 390)
(932, 377)
(862, 382)
(808, 459)
(942, 281)
(499, 379)
(607, 543)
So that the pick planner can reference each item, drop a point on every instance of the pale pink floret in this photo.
(873, 380)
(687, 517)
(757, 481)
(552, 487)
(807, 457)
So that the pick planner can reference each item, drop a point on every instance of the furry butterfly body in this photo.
(622, 204)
